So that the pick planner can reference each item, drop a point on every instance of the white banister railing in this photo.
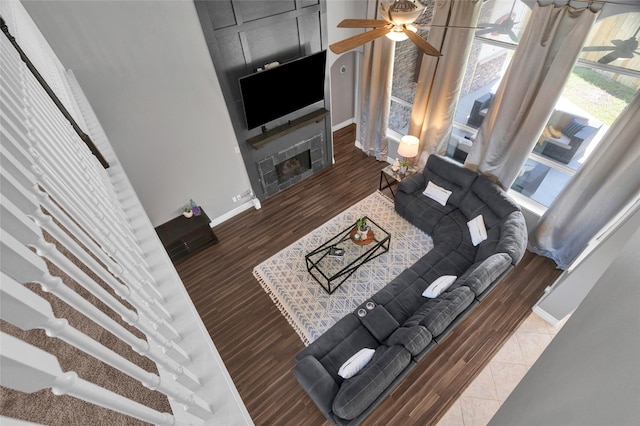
(65, 219)
(19, 360)
(25, 309)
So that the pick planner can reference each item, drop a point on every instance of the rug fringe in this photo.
(282, 309)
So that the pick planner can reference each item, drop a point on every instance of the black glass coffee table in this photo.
(339, 257)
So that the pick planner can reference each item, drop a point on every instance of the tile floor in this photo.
(480, 401)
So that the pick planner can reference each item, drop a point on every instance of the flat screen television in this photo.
(278, 91)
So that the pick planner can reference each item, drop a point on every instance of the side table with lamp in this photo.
(392, 174)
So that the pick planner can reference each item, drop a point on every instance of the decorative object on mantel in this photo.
(408, 148)
(191, 209)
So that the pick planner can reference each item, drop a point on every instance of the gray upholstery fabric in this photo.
(379, 322)
(436, 314)
(481, 274)
(456, 179)
(348, 336)
(513, 232)
(317, 382)
(358, 392)
(404, 325)
(414, 338)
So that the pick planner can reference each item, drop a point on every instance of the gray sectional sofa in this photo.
(398, 322)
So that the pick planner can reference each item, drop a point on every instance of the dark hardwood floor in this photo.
(258, 345)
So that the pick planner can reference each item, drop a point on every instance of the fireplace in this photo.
(281, 169)
(293, 166)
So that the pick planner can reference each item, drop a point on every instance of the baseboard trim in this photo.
(545, 315)
(245, 206)
(341, 125)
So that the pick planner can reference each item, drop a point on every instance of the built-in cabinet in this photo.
(244, 35)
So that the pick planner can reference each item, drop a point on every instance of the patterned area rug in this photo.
(305, 304)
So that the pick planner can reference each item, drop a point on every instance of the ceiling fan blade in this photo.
(362, 23)
(609, 57)
(513, 35)
(357, 40)
(422, 44)
(485, 31)
(597, 48)
(457, 27)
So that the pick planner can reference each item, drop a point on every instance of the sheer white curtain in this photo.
(530, 88)
(375, 95)
(604, 185)
(440, 79)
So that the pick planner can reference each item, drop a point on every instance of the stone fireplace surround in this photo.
(267, 163)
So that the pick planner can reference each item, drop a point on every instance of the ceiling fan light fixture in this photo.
(396, 34)
(400, 12)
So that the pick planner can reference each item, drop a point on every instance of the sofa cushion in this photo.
(436, 314)
(360, 391)
(444, 173)
(341, 341)
(415, 338)
(572, 127)
(481, 274)
(489, 200)
(440, 261)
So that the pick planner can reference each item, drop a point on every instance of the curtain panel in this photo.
(440, 79)
(607, 183)
(375, 94)
(530, 89)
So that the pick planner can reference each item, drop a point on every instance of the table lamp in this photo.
(408, 148)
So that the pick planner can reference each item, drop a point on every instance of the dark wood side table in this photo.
(392, 177)
(181, 236)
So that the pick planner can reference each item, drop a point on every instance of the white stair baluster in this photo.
(29, 369)
(25, 309)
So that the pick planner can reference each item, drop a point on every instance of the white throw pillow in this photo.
(439, 285)
(437, 193)
(353, 365)
(477, 230)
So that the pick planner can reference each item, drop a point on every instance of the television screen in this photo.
(281, 90)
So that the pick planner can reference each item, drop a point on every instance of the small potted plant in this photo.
(191, 209)
(361, 223)
(404, 166)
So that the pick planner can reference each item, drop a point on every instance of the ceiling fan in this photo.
(398, 17)
(503, 26)
(620, 49)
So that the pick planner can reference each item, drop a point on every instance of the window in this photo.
(602, 83)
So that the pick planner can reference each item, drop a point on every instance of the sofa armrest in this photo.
(413, 183)
(317, 382)
(482, 274)
(359, 392)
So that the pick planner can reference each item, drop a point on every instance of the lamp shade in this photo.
(408, 146)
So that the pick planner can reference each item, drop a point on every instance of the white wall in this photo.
(146, 70)
(589, 374)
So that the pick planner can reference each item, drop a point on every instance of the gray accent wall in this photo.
(242, 37)
(590, 373)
